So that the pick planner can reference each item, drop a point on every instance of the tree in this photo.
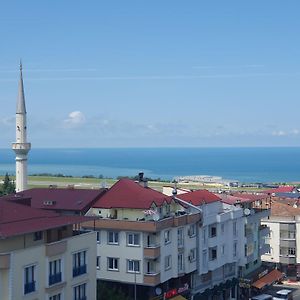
(8, 186)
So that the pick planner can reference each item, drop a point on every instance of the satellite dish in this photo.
(246, 211)
(158, 291)
(155, 217)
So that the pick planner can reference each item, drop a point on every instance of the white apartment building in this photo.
(231, 241)
(147, 242)
(283, 238)
(41, 257)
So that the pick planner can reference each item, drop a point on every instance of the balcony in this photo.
(152, 279)
(287, 259)
(56, 248)
(29, 287)
(79, 270)
(152, 252)
(146, 226)
(55, 278)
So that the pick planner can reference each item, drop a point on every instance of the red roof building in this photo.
(127, 193)
(199, 197)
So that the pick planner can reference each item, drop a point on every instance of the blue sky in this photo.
(152, 73)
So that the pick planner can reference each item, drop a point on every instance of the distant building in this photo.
(284, 236)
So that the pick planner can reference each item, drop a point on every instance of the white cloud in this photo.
(75, 119)
(295, 131)
(279, 133)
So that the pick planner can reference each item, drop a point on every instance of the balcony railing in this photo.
(29, 287)
(55, 278)
(79, 270)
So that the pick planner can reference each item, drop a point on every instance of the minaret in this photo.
(21, 147)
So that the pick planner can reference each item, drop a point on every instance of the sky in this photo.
(159, 73)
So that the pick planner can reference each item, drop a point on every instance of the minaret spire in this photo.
(21, 147)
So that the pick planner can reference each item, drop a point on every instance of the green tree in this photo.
(8, 186)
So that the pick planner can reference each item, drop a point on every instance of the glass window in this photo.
(234, 229)
(80, 292)
(79, 263)
(55, 271)
(113, 237)
(29, 279)
(98, 262)
(133, 265)
(212, 231)
(55, 297)
(192, 230)
(192, 255)
(168, 262)
(180, 263)
(167, 236)
(98, 237)
(213, 253)
(133, 239)
(38, 235)
(113, 263)
(180, 237)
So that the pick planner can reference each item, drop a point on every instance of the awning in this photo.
(179, 297)
(268, 279)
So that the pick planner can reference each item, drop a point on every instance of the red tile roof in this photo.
(17, 219)
(250, 197)
(199, 197)
(127, 193)
(62, 199)
(281, 189)
(268, 279)
(284, 210)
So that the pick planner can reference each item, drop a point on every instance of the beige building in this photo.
(42, 257)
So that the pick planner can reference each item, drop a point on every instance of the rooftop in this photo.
(281, 189)
(127, 193)
(199, 197)
(17, 219)
(284, 210)
(58, 198)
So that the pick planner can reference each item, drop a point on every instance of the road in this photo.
(276, 287)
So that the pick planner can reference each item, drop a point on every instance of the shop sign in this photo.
(172, 293)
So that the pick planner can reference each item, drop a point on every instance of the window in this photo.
(79, 263)
(212, 231)
(55, 271)
(180, 263)
(222, 227)
(133, 266)
(113, 264)
(234, 229)
(192, 255)
(167, 236)
(113, 237)
(80, 292)
(98, 237)
(98, 262)
(180, 237)
(133, 239)
(192, 230)
(204, 236)
(223, 249)
(213, 253)
(29, 279)
(234, 248)
(38, 235)
(168, 262)
(55, 297)
(204, 258)
(291, 251)
(247, 266)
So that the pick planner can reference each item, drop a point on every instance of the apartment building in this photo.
(283, 238)
(42, 257)
(231, 241)
(147, 241)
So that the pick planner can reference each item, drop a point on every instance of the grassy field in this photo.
(92, 183)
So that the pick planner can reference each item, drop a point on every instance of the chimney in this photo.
(142, 181)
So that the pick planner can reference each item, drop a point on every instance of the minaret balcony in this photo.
(21, 148)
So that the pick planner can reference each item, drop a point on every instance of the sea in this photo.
(242, 164)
